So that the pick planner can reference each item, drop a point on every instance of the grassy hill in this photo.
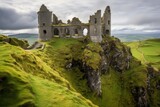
(147, 51)
(27, 81)
(116, 86)
(53, 77)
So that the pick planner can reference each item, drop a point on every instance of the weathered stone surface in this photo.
(113, 54)
(118, 56)
(140, 96)
(93, 79)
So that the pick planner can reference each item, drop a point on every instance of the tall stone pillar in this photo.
(44, 23)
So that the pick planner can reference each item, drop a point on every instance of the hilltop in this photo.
(76, 72)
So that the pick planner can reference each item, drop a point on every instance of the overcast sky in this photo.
(128, 16)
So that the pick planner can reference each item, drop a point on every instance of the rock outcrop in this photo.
(97, 59)
(14, 41)
(118, 55)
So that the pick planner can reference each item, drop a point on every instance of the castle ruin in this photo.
(50, 26)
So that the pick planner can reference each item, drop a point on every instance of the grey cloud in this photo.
(81, 9)
(138, 13)
(146, 20)
(12, 20)
(124, 29)
(143, 13)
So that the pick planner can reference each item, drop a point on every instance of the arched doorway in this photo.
(85, 31)
(56, 31)
(76, 32)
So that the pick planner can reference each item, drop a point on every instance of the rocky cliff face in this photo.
(98, 58)
(117, 55)
(14, 41)
(112, 54)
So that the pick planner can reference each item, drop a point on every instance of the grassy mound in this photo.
(27, 81)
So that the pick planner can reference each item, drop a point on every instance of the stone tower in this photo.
(95, 27)
(106, 22)
(44, 23)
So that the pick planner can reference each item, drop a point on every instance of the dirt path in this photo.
(138, 49)
(36, 45)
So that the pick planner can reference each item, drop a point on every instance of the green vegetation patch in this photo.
(147, 51)
(45, 77)
(91, 55)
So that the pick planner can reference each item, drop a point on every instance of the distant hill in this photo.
(136, 37)
(123, 37)
(27, 36)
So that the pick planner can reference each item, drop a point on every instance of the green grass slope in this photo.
(147, 51)
(27, 81)
(45, 77)
(116, 87)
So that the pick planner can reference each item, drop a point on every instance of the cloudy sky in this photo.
(128, 16)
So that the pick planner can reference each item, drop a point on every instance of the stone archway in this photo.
(56, 31)
(85, 32)
(76, 32)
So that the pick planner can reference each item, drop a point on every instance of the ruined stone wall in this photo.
(50, 26)
(95, 27)
(69, 30)
(55, 19)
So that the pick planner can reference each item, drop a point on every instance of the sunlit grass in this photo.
(147, 51)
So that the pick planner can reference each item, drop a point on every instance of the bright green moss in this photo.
(91, 55)
(95, 47)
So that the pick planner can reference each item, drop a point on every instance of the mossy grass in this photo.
(116, 87)
(91, 55)
(28, 81)
(42, 77)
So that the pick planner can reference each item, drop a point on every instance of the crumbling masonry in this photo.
(50, 26)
